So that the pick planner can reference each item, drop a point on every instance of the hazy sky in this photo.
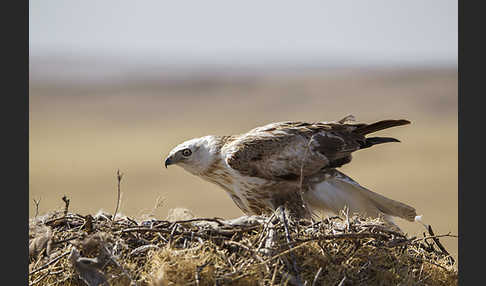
(385, 31)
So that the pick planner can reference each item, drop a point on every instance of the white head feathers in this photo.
(194, 155)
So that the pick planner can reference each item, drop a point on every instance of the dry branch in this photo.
(36, 203)
(119, 177)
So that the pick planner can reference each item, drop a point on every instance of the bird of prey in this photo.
(292, 164)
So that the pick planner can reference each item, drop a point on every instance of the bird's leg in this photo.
(269, 242)
(267, 238)
(281, 210)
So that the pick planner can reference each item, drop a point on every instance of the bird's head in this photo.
(195, 155)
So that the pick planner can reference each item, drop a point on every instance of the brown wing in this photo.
(285, 150)
(281, 151)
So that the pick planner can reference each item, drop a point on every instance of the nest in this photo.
(72, 249)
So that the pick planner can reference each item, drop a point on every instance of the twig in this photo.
(172, 233)
(314, 282)
(275, 272)
(36, 207)
(197, 275)
(66, 240)
(433, 263)
(384, 229)
(198, 270)
(50, 262)
(304, 204)
(435, 236)
(342, 281)
(66, 205)
(216, 220)
(40, 278)
(119, 177)
(143, 229)
(302, 168)
(345, 212)
(143, 248)
(437, 242)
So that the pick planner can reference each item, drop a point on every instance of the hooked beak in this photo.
(168, 162)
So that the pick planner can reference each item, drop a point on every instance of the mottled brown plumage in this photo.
(292, 164)
(275, 151)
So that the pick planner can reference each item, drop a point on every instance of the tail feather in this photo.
(380, 125)
(335, 193)
(370, 141)
(391, 207)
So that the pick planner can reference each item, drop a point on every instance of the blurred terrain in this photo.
(82, 132)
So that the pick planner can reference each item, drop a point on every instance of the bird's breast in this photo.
(245, 191)
(236, 183)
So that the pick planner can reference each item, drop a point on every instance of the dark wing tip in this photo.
(388, 139)
(370, 141)
(403, 121)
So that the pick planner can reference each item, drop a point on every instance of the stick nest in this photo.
(72, 249)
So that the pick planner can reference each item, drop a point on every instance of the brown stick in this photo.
(304, 204)
(216, 220)
(436, 236)
(437, 242)
(119, 177)
(314, 282)
(36, 207)
(342, 281)
(199, 268)
(39, 279)
(66, 205)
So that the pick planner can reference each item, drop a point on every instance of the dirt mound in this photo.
(72, 249)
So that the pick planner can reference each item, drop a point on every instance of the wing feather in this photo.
(285, 150)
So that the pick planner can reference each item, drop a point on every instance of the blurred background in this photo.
(117, 84)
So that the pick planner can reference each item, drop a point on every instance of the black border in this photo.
(15, 143)
(471, 131)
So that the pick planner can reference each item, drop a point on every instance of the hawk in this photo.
(292, 164)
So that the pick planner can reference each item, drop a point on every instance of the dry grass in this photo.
(67, 249)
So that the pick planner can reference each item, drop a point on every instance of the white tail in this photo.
(338, 191)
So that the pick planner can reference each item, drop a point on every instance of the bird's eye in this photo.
(186, 152)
